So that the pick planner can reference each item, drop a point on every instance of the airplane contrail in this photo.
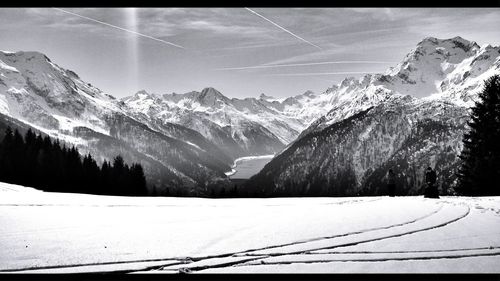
(284, 29)
(320, 73)
(120, 28)
(301, 64)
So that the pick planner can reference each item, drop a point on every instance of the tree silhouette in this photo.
(480, 169)
(137, 180)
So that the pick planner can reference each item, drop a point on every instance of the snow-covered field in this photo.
(55, 232)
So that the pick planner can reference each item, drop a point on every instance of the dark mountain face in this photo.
(351, 157)
(189, 160)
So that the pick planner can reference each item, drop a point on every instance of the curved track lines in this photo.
(247, 257)
(267, 255)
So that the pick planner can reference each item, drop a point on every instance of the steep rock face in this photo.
(351, 157)
(57, 102)
(373, 126)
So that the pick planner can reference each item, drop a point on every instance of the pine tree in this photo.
(138, 180)
(6, 168)
(105, 179)
(117, 176)
(90, 175)
(480, 169)
(18, 160)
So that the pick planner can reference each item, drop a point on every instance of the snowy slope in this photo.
(57, 102)
(60, 233)
(442, 70)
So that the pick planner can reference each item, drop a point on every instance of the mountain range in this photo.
(338, 142)
(378, 123)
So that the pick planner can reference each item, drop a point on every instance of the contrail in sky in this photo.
(301, 64)
(120, 28)
(320, 73)
(282, 28)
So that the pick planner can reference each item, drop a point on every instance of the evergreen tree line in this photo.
(39, 162)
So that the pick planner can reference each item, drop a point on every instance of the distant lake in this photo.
(245, 167)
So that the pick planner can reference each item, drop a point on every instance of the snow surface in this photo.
(56, 232)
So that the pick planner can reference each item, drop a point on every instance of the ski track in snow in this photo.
(327, 249)
(263, 256)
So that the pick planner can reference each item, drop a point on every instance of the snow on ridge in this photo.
(5, 66)
(57, 134)
(192, 144)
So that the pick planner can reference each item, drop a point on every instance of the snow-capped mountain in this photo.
(440, 69)
(57, 102)
(375, 124)
(240, 127)
(341, 141)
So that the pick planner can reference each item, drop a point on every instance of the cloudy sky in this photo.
(242, 52)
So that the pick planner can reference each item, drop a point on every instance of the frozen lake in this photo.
(42, 232)
(246, 167)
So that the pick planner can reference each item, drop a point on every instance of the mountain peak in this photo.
(430, 43)
(429, 40)
(309, 94)
(28, 55)
(210, 92)
(144, 93)
(140, 95)
(265, 97)
(209, 97)
(347, 81)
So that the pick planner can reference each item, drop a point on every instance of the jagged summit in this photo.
(266, 97)
(211, 94)
(309, 94)
(27, 54)
(451, 50)
(210, 97)
(144, 93)
(457, 42)
(141, 97)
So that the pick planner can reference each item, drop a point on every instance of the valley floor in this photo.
(60, 233)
